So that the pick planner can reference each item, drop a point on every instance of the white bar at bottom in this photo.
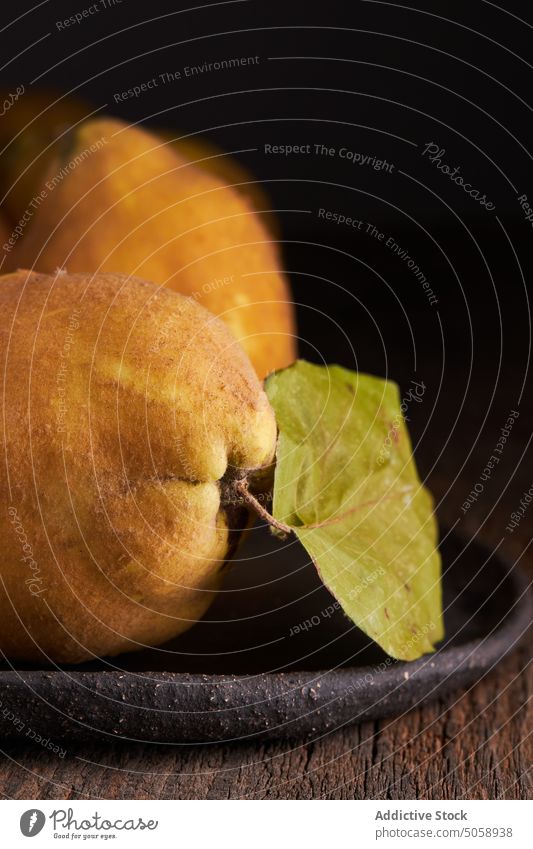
(242, 824)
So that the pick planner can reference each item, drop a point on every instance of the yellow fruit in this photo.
(30, 132)
(129, 415)
(122, 201)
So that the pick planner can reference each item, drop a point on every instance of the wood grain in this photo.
(473, 745)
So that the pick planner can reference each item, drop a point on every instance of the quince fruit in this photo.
(131, 418)
(121, 200)
(31, 133)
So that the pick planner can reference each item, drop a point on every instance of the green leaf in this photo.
(347, 484)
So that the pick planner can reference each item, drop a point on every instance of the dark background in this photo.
(381, 79)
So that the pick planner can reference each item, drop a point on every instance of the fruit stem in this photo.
(241, 486)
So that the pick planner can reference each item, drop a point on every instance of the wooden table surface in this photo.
(474, 744)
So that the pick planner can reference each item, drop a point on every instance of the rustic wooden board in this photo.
(473, 745)
(287, 686)
(476, 746)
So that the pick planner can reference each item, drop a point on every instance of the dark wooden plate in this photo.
(274, 657)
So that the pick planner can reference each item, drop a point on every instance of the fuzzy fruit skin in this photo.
(125, 404)
(29, 133)
(135, 206)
